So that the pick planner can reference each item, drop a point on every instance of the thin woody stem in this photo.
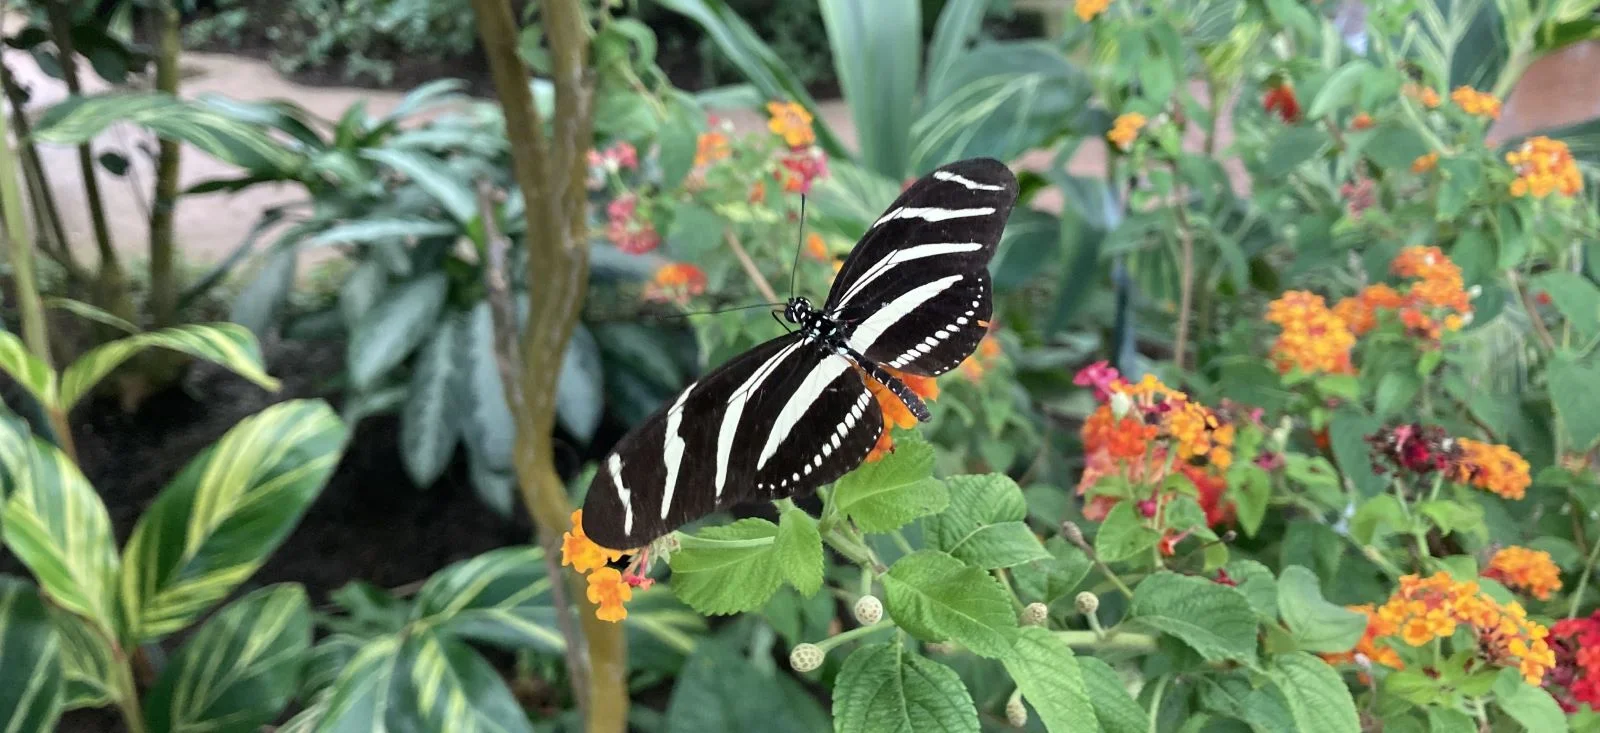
(749, 265)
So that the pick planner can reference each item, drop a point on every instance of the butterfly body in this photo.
(794, 413)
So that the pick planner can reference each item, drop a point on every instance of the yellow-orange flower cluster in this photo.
(608, 589)
(1314, 339)
(1424, 609)
(1426, 95)
(1088, 9)
(711, 147)
(1474, 102)
(1425, 163)
(1437, 301)
(676, 282)
(895, 412)
(792, 122)
(1370, 646)
(1125, 129)
(982, 359)
(1493, 468)
(1544, 166)
(1529, 571)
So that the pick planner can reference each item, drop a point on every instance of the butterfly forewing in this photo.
(780, 420)
(914, 293)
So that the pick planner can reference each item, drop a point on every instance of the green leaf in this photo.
(88, 663)
(696, 232)
(55, 524)
(1317, 696)
(31, 681)
(680, 140)
(1347, 432)
(429, 430)
(729, 569)
(240, 669)
(1123, 534)
(486, 424)
(214, 525)
(1576, 297)
(1462, 178)
(1291, 147)
(1261, 705)
(258, 303)
(719, 689)
(1394, 147)
(90, 313)
(1316, 624)
(798, 549)
(882, 688)
(382, 229)
(1250, 486)
(1213, 619)
(501, 597)
(1053, 578)
(580, 390)
(885, 495)
(1257, 584)
(1376, 518)
(432, 176)
(1530, 706)
(1046, 671)
(984, 525)
(1579, 406)
(81, 119)
(420, 682)
(1452, 516)
(1340, 88)
(877, 57)
(936, 598)
(29, 371)
(395, 327)
(227, 344)
(1114, 708)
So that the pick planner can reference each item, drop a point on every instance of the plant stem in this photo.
(1155, 701)
(1533, 311)
(749, 265)
(46, 214)
(1186, 281)
(128, 697)
(551, 172)
(1120, 640)
(163, 271)
(845, 637)
(1583, 581)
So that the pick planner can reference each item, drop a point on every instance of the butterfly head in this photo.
(799, 311)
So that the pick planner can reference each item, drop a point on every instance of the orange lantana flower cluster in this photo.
(1125, 129)
(1314, 338)
(1437, 300)
(792, 122)
(1423, 94)
(1530, 571)
(1088, 9)
(1493, 468)
(1144, 432)
(1474, 102)
(676, 282)
(608, 588)
(1425, 163)
(1424, 609)
(711, 147)
(981, 360)
(895, 412)
(1370, 649)
(1544, 166)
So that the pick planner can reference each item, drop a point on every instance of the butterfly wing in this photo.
(779, 420)
(914, 293)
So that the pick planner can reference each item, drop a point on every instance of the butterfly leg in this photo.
(899, 388)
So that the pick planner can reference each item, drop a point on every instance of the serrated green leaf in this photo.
(1579, 406)
(1376, 518)
(696, 231)
(1340, 89)
(719, 689)
(1576, 297)
(728, 569)
(984, 523)
(239, 670)
(885, 495)
(1048, 580)
(32, 687)
(1316, 624)
(501, 597)
(1123, 534)
(1257, 584)
(1250, 487)
(1262, 706)
(1114, 708)
(1317, 695)
(214, 525)
(1530, 706)
(798, 549)
(936, 597)
(29, 372)
(1046, 671)
(395, 326)
(227, 344)
(56, 525)
(883, 688)
(1213, 619)
(429, 430)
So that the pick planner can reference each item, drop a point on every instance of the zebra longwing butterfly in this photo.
(793, 414)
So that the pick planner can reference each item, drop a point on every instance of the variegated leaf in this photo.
(91, 313)
(326, 660)
(55, 524)
(501, 597)
(240, 670)
(228, 344)
(87, 661)
(225, 513)
(81, 119)
(424, 682)
(29, 371)
(30, 660)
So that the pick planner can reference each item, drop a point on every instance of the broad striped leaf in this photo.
(227, 344)
(423, 682)
(30, 660)
(55, 524)
(89, 312)
(877, 54)
(81, 119)
(225, 513)
(28, 370)
(501, 597)
(240, 670)
(87, 662)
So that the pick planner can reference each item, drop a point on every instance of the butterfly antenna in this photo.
(720, 310)
(794, 266)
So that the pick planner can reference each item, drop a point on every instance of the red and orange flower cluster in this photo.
(1144, 432)
(895, 412)
(1424, 609)
(1436, 301)
(1525, 570)
(1494, 468)
(1314, 339)
(610, 589)
(1125, 129)
(803, 163)
(1575, 679)
(982, 360)
(1543, 167)
(1474, 102)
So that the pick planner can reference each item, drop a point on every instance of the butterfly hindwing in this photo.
(780, 420)
(914, 294)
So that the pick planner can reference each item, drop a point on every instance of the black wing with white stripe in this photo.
(914, 293)
(780, 420)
